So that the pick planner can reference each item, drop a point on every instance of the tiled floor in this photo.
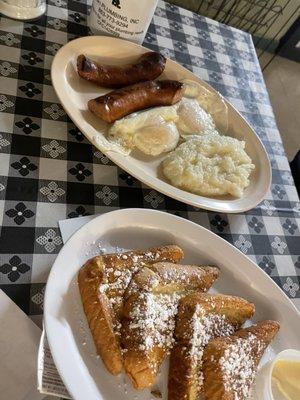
(282, 78)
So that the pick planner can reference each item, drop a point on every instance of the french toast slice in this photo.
(201, 317)
(102, 282)
(150, 307)
(230, 363)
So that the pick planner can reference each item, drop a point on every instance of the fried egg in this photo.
(211, 102)
(152, 131)
(192, 119)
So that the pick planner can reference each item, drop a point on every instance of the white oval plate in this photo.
(74, 93)
(69, 337)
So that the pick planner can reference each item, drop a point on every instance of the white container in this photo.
(263, 383)
(122, 18)
(23, 9)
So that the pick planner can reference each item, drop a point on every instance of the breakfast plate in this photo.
(74, 93)
(67, 331)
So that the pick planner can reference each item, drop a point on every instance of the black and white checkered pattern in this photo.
(48, 170)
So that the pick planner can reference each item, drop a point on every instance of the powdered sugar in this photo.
(153, 320)
(118, 272)
(175, 275)
(103, 288)
(119, 277)
(100, 247)
(119, 280)
(204, 328)
(152, 256)
(239, 367)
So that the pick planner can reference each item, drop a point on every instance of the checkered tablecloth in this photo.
(42, 152)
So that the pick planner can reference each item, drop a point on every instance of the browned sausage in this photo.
(118, 103)
(149, 66)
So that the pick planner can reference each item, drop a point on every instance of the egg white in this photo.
(152, 131)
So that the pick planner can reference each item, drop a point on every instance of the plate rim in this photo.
(113, 215)
(177, 194)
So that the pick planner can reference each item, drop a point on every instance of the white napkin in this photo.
(19, 341)
(49, 380)
(69, 226)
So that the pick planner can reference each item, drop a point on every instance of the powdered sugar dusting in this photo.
(100, 247)
(204, 328)
(175, 275)
(118, 271)
(239, 367)
(118, 280)
(153, 320)
(119, 277)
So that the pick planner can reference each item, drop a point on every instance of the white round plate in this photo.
(69, 337)
(74, 93)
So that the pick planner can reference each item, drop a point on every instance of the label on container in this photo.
(122, 18)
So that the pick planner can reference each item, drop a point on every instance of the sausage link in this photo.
(121, 102)
(148, 67)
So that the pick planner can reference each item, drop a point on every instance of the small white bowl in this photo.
(23, 9)
(263, 382)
